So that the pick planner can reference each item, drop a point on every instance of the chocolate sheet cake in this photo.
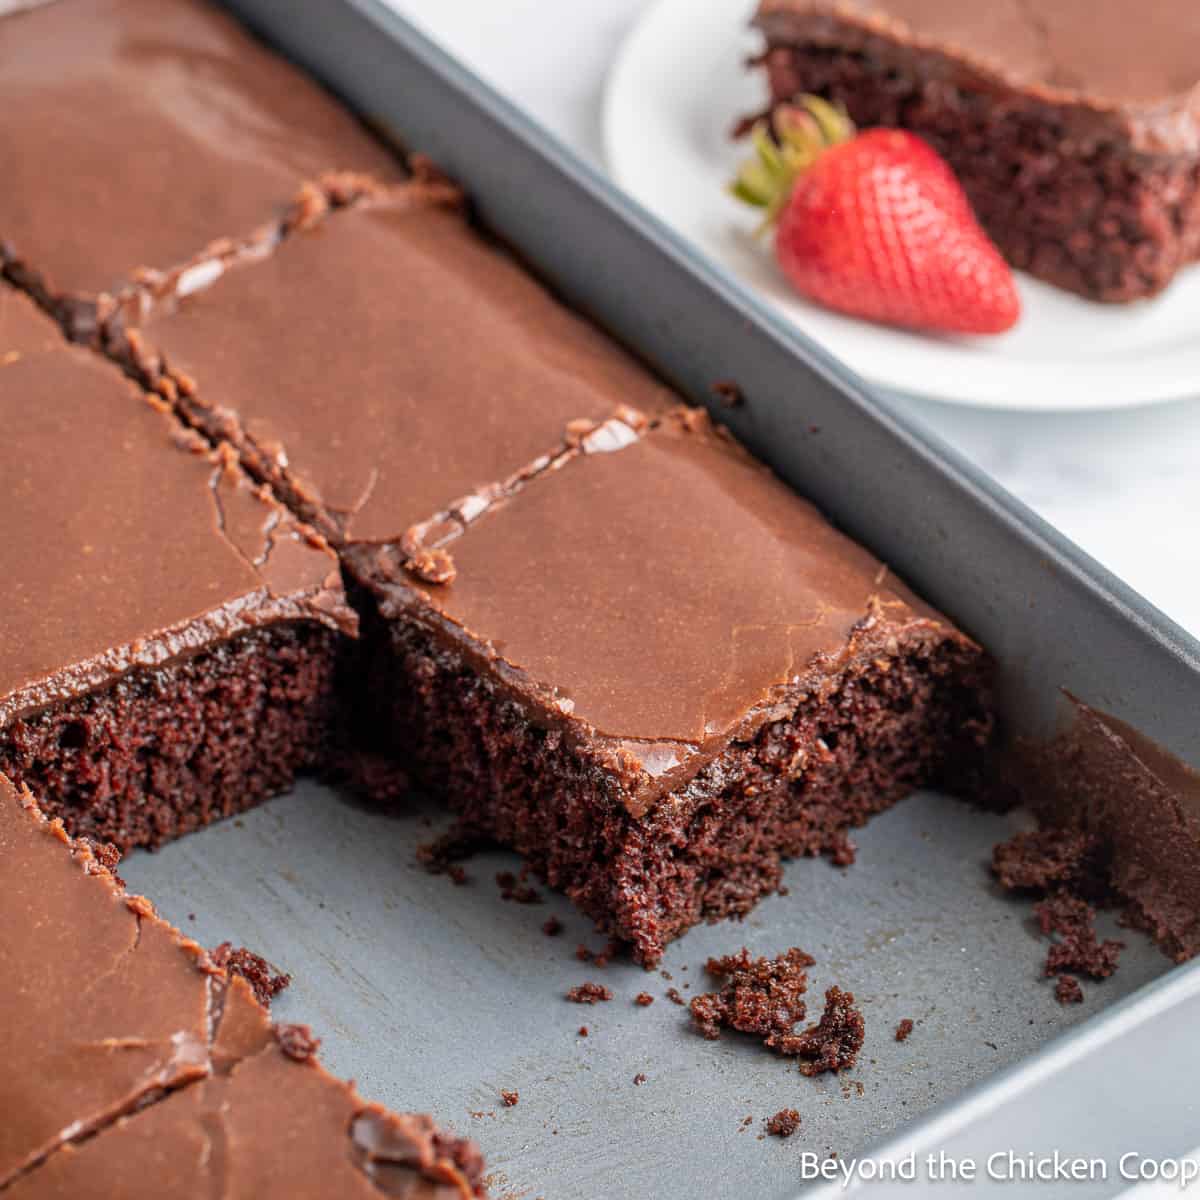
(170, 633)
(149, 130)
(1074, 125)
(134, 1066)
(640, 732)
(657, 671)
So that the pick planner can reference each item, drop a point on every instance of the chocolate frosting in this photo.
(398, 363)
(147, 129)
(240, 1025)
(1111, 68)
(270, 1127)
(22, 327)
(593, 589)
(127, 543)
(105, 1004)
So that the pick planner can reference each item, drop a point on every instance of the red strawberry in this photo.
(875, 224)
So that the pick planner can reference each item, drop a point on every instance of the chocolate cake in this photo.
(135, 1066)
(657, 672)
(1072, 124)
(170, 633)
(151, 133)
(591, 622)
(657, 785)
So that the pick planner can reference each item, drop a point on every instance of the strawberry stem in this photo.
(785, 148)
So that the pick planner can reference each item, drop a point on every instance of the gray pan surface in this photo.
(435, 996)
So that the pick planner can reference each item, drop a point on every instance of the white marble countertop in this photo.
(1124, 485)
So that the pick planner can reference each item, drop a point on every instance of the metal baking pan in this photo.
(435, 997)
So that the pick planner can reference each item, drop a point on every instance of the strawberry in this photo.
(875, 224)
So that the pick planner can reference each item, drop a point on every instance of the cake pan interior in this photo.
(435, 997)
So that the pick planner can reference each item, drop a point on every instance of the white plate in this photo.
(673, 95)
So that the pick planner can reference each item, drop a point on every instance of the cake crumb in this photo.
(1078, 949)
(440, 857)
(904, 1029)
(552, 927)
(673, 995)
(841, 849)
(297, 1041)
(583, 1031)
(760, 996)
(598, 958)
(589, 993)
(784, 1123)
(432, 566)
(1068, 869)
(516, 890)
(1067, 990)
(643, 999)
(639, 1079)
(833, 1043)
(730, 394)
(264, 980)
(509, 1098)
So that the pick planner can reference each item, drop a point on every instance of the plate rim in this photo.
(1059, 386)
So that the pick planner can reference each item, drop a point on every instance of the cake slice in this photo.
(135, 1067)
(656, 672)
(170, 634)
(150, 130)
(1072, 124)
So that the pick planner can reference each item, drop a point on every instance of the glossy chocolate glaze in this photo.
(398, 365)
(148, 129)
(1111, 70)
(105, 1005)
(23, 328)
(127, 542)
(270, 1127)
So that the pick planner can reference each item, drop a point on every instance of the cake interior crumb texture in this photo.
(1072, 127)
(171, 636)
